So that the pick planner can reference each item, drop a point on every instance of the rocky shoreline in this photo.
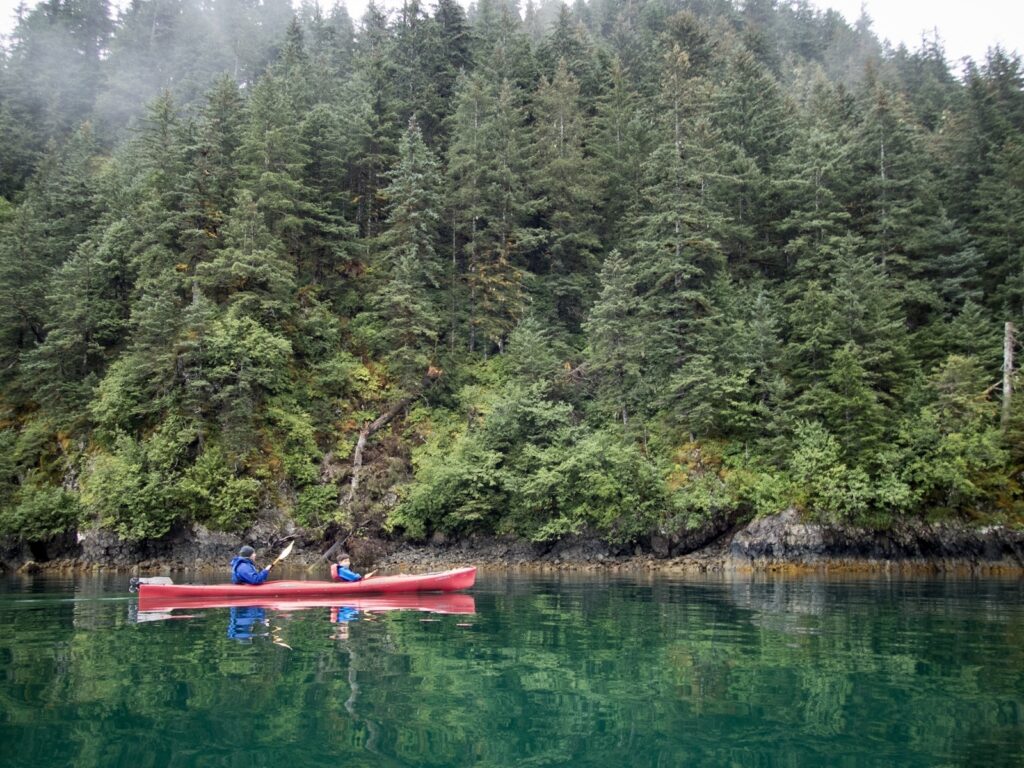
(780, 543)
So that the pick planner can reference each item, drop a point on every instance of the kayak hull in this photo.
(445, 581)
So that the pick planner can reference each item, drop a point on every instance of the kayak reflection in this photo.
(157, 608)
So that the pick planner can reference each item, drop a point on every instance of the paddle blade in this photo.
(287, 551)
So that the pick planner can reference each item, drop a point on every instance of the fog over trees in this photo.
(619, 267)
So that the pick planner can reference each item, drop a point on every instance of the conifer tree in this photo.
(893, 203)
(327, 244)
(563, 176)
(454, 56)
(486, 171)
(41, 234)
(568, 44)
(88, 306)
(502, 48)
(811, 185)
(407, 311)
(158, 165)
(376, 107)
(617, 343)
(419, 60)
(294, 71)
(414, 208)
(621, 141)
(272, 157)
(677, 227)
(251, 273)
(1000, 229)
(211, 180)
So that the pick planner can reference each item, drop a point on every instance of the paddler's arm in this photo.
(248, 574)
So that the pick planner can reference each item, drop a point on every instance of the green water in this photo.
(549, 671)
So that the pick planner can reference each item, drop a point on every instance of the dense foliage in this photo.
(618, 268)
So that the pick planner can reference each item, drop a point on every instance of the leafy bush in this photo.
(458, 489)
(715, 477)
(525, 468)
(293, 431)
(953, 455)
(40, 512)
(215, 495)
(598, 483)
(316, 505)
(124, 494)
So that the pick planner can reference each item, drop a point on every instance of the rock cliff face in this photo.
(777, 542)
(193, 547)
(786, 539)
(197, 546)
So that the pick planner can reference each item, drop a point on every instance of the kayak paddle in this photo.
(287, 551)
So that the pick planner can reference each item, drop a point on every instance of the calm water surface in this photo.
(548, 671)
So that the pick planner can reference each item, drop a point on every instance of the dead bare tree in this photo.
(370, 428)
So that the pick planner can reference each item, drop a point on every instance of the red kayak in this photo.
(445, 581)
(407, 601)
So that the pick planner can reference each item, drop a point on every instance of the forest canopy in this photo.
(619, 267)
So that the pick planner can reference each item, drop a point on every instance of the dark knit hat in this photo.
(246, 551)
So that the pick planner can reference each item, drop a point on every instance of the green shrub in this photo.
(316, 505)
(597, 482)
(294, 436)
(123, 494)
(215, 496)
(40, 512)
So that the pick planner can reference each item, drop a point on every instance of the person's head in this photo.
(345, 561)
(247, 551)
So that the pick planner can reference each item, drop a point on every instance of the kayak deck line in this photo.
(443, 581)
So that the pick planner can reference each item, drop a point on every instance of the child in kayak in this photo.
(244, 570)
(340, 571)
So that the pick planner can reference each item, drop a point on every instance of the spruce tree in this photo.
(564, 178)
(616, 341)
(620, 142)
(407, 305)
(490, 201)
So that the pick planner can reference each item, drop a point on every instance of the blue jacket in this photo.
(243, 571)
(340, 573)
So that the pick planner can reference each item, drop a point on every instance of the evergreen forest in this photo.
(624, 267)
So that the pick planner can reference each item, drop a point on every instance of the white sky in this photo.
(967, 27)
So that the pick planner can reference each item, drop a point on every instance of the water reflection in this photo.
(247, 623)
(259, 617)
(551, 670)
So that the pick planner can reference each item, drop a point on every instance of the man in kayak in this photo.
(340, 571)
(244, 570)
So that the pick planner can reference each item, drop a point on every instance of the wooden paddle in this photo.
(371, 573)
(287, 551)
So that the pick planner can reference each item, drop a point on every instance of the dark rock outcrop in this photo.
(687, 540)
(786, 538)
